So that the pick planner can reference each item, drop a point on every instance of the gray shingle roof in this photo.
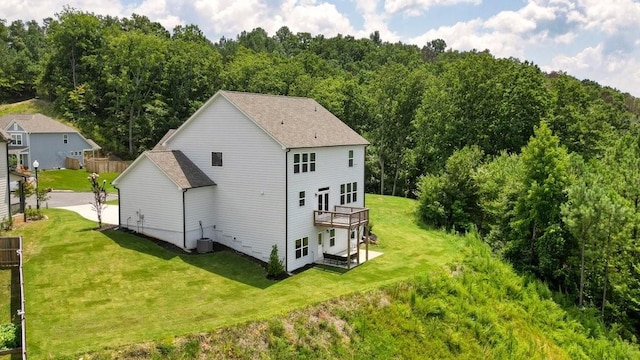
(295, 122)
(160, 145)
(36, 123)
(93, 145)
(179, 168)
(4, 136)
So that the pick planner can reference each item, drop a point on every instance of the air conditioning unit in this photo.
(204, 246)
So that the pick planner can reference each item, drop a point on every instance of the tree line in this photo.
(544, 166)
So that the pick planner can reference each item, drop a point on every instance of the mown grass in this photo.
(74, 180)
(5, 295)
(88, 290)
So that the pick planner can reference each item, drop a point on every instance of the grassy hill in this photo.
(112, 295)
(476, 309)
(32, 106)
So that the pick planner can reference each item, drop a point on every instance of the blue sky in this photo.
(589, 39)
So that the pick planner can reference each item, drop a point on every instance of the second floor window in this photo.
(216, 159)
(17, 139)
(65, 138)
(348, 193)
(304, 162)
(350, 158)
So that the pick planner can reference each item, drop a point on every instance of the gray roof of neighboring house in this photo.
(36, 123)
(5, 136)
(179, 168)
(160, 145)
(295, 122)
(93, 145)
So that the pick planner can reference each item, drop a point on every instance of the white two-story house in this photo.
(251, 171)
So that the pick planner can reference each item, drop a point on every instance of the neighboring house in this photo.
(252, 171)
(38, 137)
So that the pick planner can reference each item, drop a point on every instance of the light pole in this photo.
(35, 166)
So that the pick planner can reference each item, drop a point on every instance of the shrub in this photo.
(275, 267)
(7, 223)
(33, 214)
(9, 336)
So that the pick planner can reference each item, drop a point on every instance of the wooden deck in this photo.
(344, 217)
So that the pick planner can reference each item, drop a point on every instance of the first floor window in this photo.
(302, 247)
(216, 159)
(301, 197)
(348, 193)
(332, 237)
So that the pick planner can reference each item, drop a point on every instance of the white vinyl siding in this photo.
(151, 204)
(4, 205)
(199, 208)
(331, 171)
(249, 199)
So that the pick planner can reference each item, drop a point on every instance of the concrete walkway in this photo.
(79, 202)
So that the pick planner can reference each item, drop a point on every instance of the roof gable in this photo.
(175, 165)
(293, 122)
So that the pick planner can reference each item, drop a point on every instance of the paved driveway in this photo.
(79, 202)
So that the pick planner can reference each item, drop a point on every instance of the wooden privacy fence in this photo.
(11, 257)
(9, 247)
(103, 165)
(71, 163)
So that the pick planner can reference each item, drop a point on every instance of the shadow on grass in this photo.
(224, 263)
(332, 269)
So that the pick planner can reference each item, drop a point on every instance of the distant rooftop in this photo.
(36, 123)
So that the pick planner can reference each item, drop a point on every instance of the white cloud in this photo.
(230, 17)
(374, 20)
(616, 70)
(310, 16)
(510, 21)
(609, 16)
(473, 35)
(587, 58)
(156, 10)
(417, 7)
(37, 10)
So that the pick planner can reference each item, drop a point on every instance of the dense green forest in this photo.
(545, 167)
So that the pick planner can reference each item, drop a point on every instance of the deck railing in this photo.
(342, 216)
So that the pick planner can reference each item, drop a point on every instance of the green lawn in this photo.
(75, 180)
(88, 290)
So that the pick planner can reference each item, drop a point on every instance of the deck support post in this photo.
(366, 239)
(358, 237)
(349, 248)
